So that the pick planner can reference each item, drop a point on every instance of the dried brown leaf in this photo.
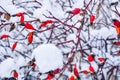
(12, 27)
(13, 1)
(98, 8)
(7, 16)
(1, 13)
(118, 36)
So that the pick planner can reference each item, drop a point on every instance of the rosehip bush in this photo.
(87, 32)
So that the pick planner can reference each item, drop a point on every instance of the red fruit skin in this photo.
(116, 22)
(14, 46)
(117, 43)
(15, 74)
(118, 30)
(46, 23)
(30, 37)
(56, 71)
(34, 66)
(76, 11)
(92, 18)
(4, 36)
(90, 58)
(85, 71)
(49, 77)
(22, 19)
(49, 21)
(91, 69)
(76, 71)
(20, 14)
(43, 24)
(29, 26)
(118, 53)
(72, 77)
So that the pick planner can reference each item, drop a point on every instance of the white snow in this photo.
(103, 32)
(48, 57)
(20, 61)
(6, 67)
(72, 37)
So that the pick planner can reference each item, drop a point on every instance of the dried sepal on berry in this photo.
(101, 59)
